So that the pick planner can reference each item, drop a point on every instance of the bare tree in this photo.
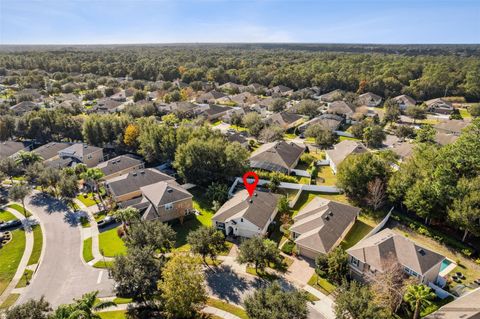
(376, 193)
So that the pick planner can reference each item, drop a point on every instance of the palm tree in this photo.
(27, 158)
(18, 192)
(418, 296)
(92, 176)
(83, 308)
(126, 215)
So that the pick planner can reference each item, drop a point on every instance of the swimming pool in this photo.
(445, 264)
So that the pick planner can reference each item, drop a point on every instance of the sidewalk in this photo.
(26, 255)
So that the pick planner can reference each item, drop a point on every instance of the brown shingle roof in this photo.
(277, 155)
(134, 180)
(118, 164)
(343, 149)
(162, 193)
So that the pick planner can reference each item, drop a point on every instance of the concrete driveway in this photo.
(62, 275)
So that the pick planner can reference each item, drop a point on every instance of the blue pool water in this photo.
(445, 264)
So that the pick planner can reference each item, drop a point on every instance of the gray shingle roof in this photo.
(51, 149)
(79, 149)
(341, 108)
(119, 164)
(465, 307)
(257, 209)
(162, 193)
(8, 148)
(279, 155)
(343, 149)
(322, 222)
(284, 118)
(377, 250)
(134, 180)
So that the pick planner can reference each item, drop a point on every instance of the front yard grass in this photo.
(347, 138)
(321, 284)
(118, 314)
(87, 250)
(19, 208)
(225, 306)
(88, 201)
(464, 113)
(121, 301)
(37, 245)
(10, 256)
(111, 244)
(5, 216)
(27, 275)
(103, 264)
(11, 299)
(358, 231)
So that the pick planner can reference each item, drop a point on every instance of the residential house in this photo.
(166, 201)
(321, 225)
(329, 122)
(215, 112)
(453, 127)
(106, 105)
(231, 87)
(247, 216)
(119, 96)
(370, 99)
(403, 150)
(277, 156)
(50, 151)
(33, 93)
(232, 112)
(23, 107)
(244, 99)
(404, 101)
(181, 109)
(445, 139)
(335, 95)
(238, 137)
(341, 108)
(341, 151)
(11, 148)
(210, 97)
(281, 90)
(256, 88)
(285, 120)
(120, 165)
(465, 307)
(128, 186)
(82, 153)
(439, 105)
(380, 251)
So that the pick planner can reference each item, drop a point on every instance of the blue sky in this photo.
(174, 21)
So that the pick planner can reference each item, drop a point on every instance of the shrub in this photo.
(467, 252)
(268, 176)
(288, 247)
(307, 159)
(120, 232)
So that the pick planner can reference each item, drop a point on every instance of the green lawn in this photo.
(119, 314)
(238, 128)
(103, 264)
(225, 306)
(345, 138)
(19, 208)
(358, 231)
(321, 284)
(326, 173)
(262, 274)
(436, 304)
(216, 123)
(201, 204)
(10, 256)
(111, 244)
(27, 275)
(306, 197)
(87, 201)
(37, 245)
(87, 250)
(120, 301)
(289, 136)
(5, 216)
(9, 301)
(464, 113)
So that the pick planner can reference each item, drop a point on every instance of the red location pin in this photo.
(250, 186)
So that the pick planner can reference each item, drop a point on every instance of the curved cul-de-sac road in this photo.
(61, 275)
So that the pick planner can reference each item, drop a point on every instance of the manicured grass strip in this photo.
(356, 233)
(111, 244)
(37, 245)
(312, 297)
(27, 275)
(265, 274)
(9, 301)
(120, 300)
(87, 201)
(10, 256)
(118, 314)
(20, 209)
(103, 264)
(225, 306)
(85, 222)
(87, 250)
(321, 284)
(5, 216)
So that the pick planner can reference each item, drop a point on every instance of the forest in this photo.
(423, 72)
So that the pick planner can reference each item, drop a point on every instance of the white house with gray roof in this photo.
(247, 216)
(341, 151)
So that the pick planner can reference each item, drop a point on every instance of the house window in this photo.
(89, 156)
(354, 261)
(241, 220)
(410, 272)
(168, 206)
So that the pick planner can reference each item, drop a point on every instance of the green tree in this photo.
(126, 216)
(86, 307)
(355, 301)
(138, 96)
(324, 138)
(155, 234)
(416, 112)
(404, 131)
(277, 105)
(374, 136)
(207, 242)
(137, 273)
(283, 205)
(308, 107)
(337, 264)
(259, 252)
(9, 167)
(272, 302)
(474, 110)
(18, 192)
(465, 209)
(418, 297)
(271, 134)
(68, 186)
(253, 122)
(27, 158)
(183, 287)
(32, 309)
(392, 111)
(426, 134)
(217, 192)
(92, 177)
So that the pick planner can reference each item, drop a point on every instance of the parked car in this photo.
(10, 224)
(106, 221)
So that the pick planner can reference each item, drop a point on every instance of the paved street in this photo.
(62, 275)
